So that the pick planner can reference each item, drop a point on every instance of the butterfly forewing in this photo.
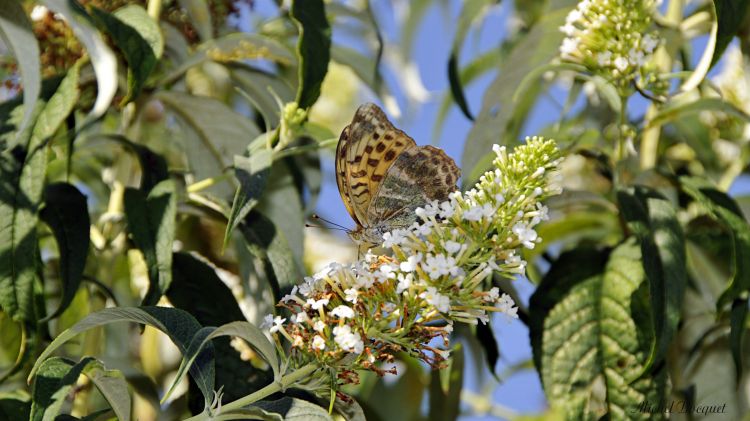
(372, 146)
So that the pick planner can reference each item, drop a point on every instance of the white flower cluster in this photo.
(611, 37)
(436, 274)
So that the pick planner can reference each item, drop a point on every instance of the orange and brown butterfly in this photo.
(383, 176)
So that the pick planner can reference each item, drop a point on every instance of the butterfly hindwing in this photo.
(419, 176)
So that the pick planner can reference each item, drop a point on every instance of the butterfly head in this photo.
(368, 237)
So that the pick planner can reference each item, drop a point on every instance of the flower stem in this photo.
(154, 9)
(272, 388)
(650, 139)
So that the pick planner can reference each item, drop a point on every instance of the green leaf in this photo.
(654, 220)
(252, 173)
(139, 39)
(486, 338)
(730, 15)
(51, 387)
(22, 171)
(706, 61)
(313, 48)
(179, 325)
(192, 277)
(590, 335)
(214, 133)
(232, 48)
(267, 242)
(153, 166)
(469, 73)
(500, 119)
(294, 409)
(199, 15)
(17, 35)
(677, 110)
(56, 378)
(66, 212)
(445, 388)
(470, 12)
(112, 385)
(282, 204)
(723, 209)
(151, 222)
(262, 89)
(15, 405)
(102, 57)
(244, 330)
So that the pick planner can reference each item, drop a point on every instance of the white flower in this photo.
(319, 326)
(441, 302)
(569, 29)
(569, 46)
(449, 327)
(424, 229)
(343, 312)
(38, 13)
(410, 265)
(649, 43)
(404, 282)
(473, 214)
(317, 304)
(604, 58)
(267, 321)
(291, 296)
(386, 271)
(273, 323)
(525, 234)
(452, 247)
(426, 212)
(506, 305)
(348, 341)
(301, 317)
(573, 16)
(297, 341)
(492, 295)
(351, 295)
(439, 265)
(319, 343)
(394, 238)
(636, 57)
(621, 63)
(541, 214)
(444, 353)
(447, 209)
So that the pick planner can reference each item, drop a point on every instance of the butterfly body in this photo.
(383, 176)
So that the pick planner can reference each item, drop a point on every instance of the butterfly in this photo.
(383, 176)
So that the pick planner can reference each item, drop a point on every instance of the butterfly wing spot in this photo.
(389, 155)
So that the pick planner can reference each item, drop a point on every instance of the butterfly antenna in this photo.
(316, 216)
(330, 228)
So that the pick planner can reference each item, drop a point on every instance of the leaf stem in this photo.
(650, 138)
(206, 183)
(272, 388)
